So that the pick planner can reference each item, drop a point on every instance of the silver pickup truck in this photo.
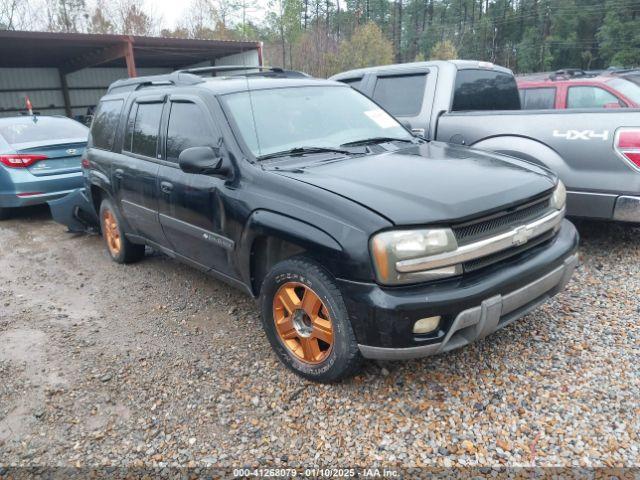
(596, 153)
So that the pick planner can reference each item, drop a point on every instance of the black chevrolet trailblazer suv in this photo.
(359, 239)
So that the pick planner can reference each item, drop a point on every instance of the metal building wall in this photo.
(42, 85)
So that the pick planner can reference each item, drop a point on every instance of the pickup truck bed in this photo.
(477, 104)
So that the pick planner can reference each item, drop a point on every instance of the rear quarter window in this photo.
(41, 129)
(538, 98)
(401, 95)
(105, 124)
(485, 90)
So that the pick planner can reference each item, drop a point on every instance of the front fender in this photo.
(265, 223)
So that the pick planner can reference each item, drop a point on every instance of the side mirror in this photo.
(202, 160)
(612, 105)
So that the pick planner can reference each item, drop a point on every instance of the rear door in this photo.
(191, 207)
(134, 172)
(538, 98)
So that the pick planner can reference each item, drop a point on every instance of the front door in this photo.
(192, 211)
(135, 171)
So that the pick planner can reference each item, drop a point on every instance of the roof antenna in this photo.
(251, 106)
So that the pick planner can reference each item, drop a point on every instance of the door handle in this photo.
(118, 173)
(166, 187)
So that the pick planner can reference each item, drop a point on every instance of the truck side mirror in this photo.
(202, 160)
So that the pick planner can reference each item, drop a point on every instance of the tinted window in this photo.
(589, 97)
(400, 94)
(105, 124)
(187, 128)
(353, 82)
(538, 98)
(144, 137)
(43, 129)
(485, 90)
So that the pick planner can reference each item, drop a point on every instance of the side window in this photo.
(589, 97)
(538, 98)
(105, 124)
(353, 82)
(142, 129)
(401, 94)
(187, 128)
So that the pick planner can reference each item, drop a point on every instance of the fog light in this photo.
(426, 325)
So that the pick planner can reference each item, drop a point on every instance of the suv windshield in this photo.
(25, 130)
(282, 119)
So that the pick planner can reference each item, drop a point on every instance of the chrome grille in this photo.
(495, 224)
(477, 264)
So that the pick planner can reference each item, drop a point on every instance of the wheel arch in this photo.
(526, 149)
(270, 237)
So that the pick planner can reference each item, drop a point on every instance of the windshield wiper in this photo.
(303, 151)
(373, 140)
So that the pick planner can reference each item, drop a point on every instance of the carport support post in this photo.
(130, 58)
(65, 93)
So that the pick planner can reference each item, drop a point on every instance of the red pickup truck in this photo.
(604, 91)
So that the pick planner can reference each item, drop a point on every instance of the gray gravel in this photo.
(156, 364)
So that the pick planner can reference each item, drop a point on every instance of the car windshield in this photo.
(282, 119)
(42, 129)
(627, 88)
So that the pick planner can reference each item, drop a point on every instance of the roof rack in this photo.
(569, 73)
(192, 76)
(253, 71)
(136, 83)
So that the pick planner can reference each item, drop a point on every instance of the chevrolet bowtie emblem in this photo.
(521, 236)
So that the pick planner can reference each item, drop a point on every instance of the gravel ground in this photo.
(156, 364)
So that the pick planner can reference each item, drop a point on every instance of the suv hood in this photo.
(430, 183)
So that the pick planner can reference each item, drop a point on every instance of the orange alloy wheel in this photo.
(303, 323)
(111, 232)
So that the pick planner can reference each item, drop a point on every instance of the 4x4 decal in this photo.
(582, 135)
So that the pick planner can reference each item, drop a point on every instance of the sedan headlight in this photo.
(559, 197)
(389, 248)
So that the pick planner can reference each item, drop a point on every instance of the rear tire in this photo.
(306, 321)
(119, 247)
(5, 213)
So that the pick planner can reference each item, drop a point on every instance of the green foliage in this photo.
(620, 35)
(367, 47)
(444, 50)
(323, 36)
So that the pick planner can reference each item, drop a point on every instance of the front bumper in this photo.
(471, 307)
(76, 211)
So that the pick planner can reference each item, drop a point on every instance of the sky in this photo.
(172, 11)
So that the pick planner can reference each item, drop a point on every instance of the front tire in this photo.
(306, 321)
(119, 247)
(5, 213)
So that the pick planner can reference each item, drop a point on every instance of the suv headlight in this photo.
(559, 197)
(388, 248)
